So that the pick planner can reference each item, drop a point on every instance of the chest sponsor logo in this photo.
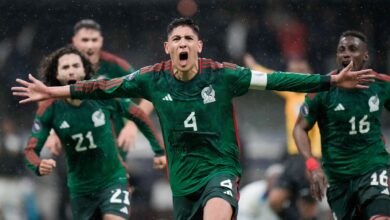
(373, 103)
(64, 125)
(208, 94)
(167, 98)
(98, 118)
(339, 107)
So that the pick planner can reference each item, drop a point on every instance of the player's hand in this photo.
(159, 163)
(46, 166)
(127, 136)
(33, 91)
(349, 79)
(54, 144)
(318, 183)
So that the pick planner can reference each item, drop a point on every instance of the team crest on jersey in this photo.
(304, 110)
(373, 103)
(98, 118)
(208, 94)
(37, 126)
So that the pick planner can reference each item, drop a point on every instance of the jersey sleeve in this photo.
(39, 133)
(297, 82)
(131, 111)
(238, 78)
(310, 108)
(132, 85)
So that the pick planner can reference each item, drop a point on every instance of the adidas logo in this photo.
(339, 107)
(124, 210)
(386, 191)
(64, 125)
(167, 98)
(228, 192)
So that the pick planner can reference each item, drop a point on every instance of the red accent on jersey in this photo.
(208, 63)
(111, 58)
(311, 95)
(165, 65)
(236, 131)
(42, 106)
(382, 76)
(103, 84)
(29, 152)
(383, 139)
(230, 65)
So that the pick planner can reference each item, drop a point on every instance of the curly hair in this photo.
(48, 67)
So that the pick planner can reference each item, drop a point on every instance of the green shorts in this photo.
(223, 186)
(112, 200)
(362, 197)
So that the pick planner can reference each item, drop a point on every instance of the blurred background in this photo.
(272, 31)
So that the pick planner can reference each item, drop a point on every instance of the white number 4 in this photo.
(190, 122)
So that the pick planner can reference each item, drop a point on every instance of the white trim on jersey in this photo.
(258, 80)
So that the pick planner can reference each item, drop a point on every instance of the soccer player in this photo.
(97, 179)
(193, 99)
(292, 186)
(354, 157)
(88, 38)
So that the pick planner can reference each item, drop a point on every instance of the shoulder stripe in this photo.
(230, 65)
(100, 84)
(111, 58)
(29, 152)
(42, 106)
(382, 76)
(165, 65)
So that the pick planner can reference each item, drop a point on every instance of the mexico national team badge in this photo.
(98, 118)
(373, 103)
(37, 126)
(208, 94)
(304, 110)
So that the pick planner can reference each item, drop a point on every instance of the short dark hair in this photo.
(86, 23)
(354, 33)
(183, 22)
(48, 67)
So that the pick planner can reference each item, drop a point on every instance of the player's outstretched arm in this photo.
(35, 90)
(298, 82)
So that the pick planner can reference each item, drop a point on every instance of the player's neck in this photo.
(186, 76)
(75, 102)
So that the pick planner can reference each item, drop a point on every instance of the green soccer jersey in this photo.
(112, 66)
(352, 142)
(197, 116)
(86, 134)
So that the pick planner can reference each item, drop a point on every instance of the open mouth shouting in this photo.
(183, 57)
(71, 81)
